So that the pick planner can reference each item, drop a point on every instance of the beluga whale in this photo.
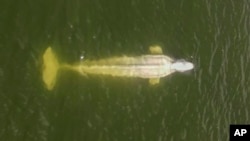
(151, 66)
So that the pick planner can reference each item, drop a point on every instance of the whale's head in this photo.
(182, 65)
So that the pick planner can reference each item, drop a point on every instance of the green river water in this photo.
(198, 106)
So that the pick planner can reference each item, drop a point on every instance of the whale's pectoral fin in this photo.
(155, 49)
(154, 81)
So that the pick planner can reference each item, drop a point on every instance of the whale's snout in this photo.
(182, 66)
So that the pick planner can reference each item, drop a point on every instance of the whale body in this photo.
(153, 66)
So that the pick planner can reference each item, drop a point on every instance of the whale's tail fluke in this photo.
(50, 68)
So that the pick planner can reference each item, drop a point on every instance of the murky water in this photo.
(196, 106)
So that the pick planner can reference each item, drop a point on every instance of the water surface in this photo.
(192, 107)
